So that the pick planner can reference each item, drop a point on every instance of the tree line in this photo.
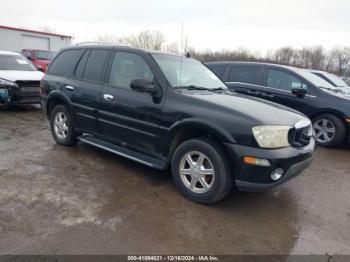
(336, 60)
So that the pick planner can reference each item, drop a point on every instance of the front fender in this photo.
(208, 127)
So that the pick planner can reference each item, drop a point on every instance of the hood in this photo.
(42, 62)
(14, 75)
(253, 109)
(341, 92)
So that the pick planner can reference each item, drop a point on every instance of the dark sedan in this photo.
(327, 106)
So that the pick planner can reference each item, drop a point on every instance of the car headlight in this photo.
(272, 136)
(6, 83)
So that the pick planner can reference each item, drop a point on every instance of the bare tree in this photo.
(172, 48)
(145, 39)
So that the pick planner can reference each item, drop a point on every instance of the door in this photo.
(84, 87)
(35, 42)
(128, 117)
(280, 82)
(246, 78)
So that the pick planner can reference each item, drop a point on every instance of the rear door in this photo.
(128, 117)
(84, 87)
(246, 79)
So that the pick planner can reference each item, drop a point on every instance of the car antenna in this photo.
(182, 32)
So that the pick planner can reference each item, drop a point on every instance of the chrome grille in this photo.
(301, 134)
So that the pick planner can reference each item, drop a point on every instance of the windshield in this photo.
(336, 80)
(15, 62)
(314, 79)
(188, 73)
(44, 55)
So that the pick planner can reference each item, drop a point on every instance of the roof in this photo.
(9, 53)
(251, 63)
(118, 46)
(34, 31)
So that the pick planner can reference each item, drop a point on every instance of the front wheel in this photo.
(201, 172)
(329, 130)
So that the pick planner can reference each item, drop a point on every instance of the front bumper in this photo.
(255, 178)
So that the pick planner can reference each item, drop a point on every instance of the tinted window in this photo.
(246, 74)
(94, 65)
(79, 70)
(219, 70)
(127, 67)
(282, 80)
(15, 62)
(64, 62)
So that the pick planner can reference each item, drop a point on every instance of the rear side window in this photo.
(94, 65)
(283, 80)
(219, 70)
(249, 74)
(79, 70)
(64, 62)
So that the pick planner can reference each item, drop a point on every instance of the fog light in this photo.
(277, 174)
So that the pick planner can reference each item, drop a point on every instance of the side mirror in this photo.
(29, 58)
(300, 92)
(143, 85)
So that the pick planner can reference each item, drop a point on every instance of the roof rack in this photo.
(100, 43)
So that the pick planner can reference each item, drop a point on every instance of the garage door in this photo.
(35, 42)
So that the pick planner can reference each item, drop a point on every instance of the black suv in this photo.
(166, 110)
(327, 106)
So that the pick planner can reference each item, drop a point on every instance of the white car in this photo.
(19, 80)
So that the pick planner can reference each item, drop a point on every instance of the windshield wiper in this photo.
(195, 87)
(333, 89)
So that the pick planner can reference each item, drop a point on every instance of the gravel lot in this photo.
(81, 200)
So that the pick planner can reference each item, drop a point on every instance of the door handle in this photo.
(70, 88)
(108, 97)
(267, 95)
(252, 92)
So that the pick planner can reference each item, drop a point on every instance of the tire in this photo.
(218, 184)
(332, 123)
(63, 132)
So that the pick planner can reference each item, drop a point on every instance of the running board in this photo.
(124, 152)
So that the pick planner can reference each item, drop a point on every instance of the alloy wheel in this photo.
(197, 172)
(61, 125)
(324, 130)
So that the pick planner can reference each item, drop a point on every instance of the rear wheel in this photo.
(201, 172)
(329, 130)
(62, 126)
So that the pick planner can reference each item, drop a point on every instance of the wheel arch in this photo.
(193, 128)
(331, 112)
(56, 98)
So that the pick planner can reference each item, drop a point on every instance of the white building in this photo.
(16, 39)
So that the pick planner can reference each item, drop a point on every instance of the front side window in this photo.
(284, 81)
(183, 72)
(127, 67)
(249, 74)
(64, 62)
(15, 62)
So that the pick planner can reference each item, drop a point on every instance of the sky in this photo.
(258, 25)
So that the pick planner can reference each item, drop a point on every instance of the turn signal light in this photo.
(256, 161)
(347, 120)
